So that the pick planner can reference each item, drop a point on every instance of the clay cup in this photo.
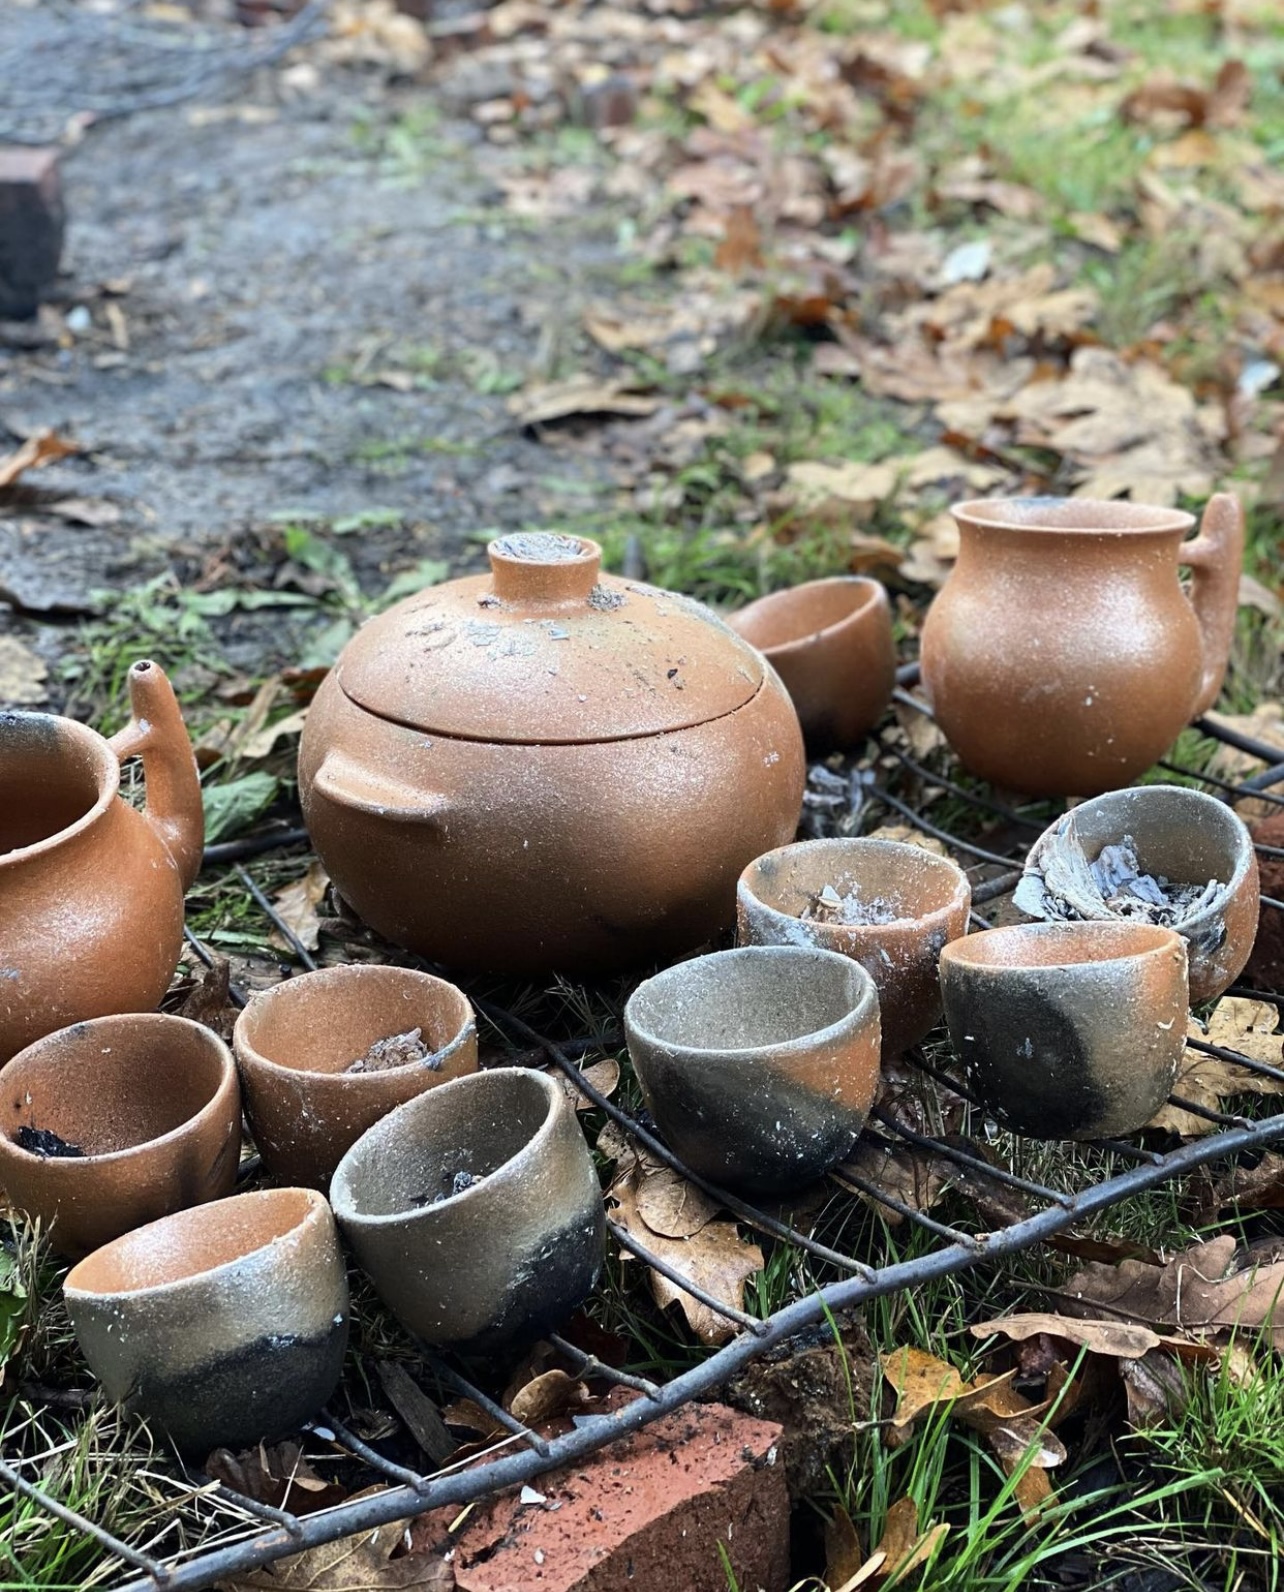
(1068, 1030)
(152, 1103)
(890, 906)
(294, 1042)
(830, 641)
(475, 1209)
(759, 1065)
(225, 1324)
(1176, 833)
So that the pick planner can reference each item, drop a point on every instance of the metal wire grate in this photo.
(523, 1454)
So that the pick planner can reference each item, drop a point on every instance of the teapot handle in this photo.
(347, 784)
(1215, 557)
(156, 732)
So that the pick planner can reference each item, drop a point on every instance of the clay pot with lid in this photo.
(548, 767)
(831, 643)
(91, 888)
(1061, 656)
(116, 1122)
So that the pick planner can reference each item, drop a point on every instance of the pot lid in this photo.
(548, 649)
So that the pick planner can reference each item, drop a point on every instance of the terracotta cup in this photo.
(830, 641)
(1068, 1030)
(475, 1209)
(759, 1065)
(1174, 834)
(225, 1324)
(294, 1042)
(153, 1103)
(890, 906)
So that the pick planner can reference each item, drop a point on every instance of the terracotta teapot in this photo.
(548, 767)
(1061, 657)
(91, 889)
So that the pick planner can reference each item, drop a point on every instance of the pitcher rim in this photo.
(108, 786)
(1131, 519)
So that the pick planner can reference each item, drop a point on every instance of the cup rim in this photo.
(870, 591)
(851, 1021)
(1139, 942)
(962, 896)
(81, 1165)
(1139, 519)
(355, 973)
(341, 1198)
(314, 1204)
(108, 772)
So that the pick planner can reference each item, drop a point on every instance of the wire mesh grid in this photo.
(254, 1534)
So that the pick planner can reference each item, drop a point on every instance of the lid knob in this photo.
(543, 566)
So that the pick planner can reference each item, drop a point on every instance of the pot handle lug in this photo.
(156, 732)
(347, 784)
(1215, 557)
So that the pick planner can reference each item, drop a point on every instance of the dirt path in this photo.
(242, 281)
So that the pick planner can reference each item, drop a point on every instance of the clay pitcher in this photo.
(1062, 657)
(91, 889)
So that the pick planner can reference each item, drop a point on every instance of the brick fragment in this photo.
(645, 1514)
(31, 228)
(1265, 968)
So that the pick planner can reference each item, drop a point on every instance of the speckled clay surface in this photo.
(917, 902)
(548, 767)
(759, 1065)
(91, 889)
(509, 1255)
(294, 1041)
(153, 1102)
(223, 1325)
(830, 641)
(1182, 834)
(1061, 657)
(1068, 1030)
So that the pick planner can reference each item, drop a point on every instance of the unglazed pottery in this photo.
(1068, 1030)
(830, 641)
(891, 906)
(152, 1104)
(224, 1325)
(1177, 837)
(548, 767)
(295, 1041)
(759, 1065)
(1061, 656)
(475, 1209)
(91, 889)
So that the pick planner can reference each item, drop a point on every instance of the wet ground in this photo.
(300, 301)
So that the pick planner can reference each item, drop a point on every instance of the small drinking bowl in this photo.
(1171, 833)
(118, 1121)
(1068, 1030)
(295, 1041)
(759, 1065)
(890, 906)
(225, 1324)
(830, 641)
(475, 1209)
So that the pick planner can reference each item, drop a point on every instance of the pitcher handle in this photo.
(156, 732)
(1215, 557)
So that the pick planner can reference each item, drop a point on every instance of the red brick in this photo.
(1265, 968)
(644, 1515)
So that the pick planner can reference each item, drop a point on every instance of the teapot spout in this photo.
(1215, 557)
(157, 733)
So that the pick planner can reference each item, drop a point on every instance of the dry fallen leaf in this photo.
(579, 395)
(1266, 724)
(914, 1177)
(277, 1474)
(1236, 1024)
(361, 1563)
(546, 1395)
(604, 1076)
(297, 904)
(670, 1205)
(43, 448)
(22, 674)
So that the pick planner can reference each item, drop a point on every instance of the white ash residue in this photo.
(395, 1050)
(851, 909)
(1061, 882)
(540, 547)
